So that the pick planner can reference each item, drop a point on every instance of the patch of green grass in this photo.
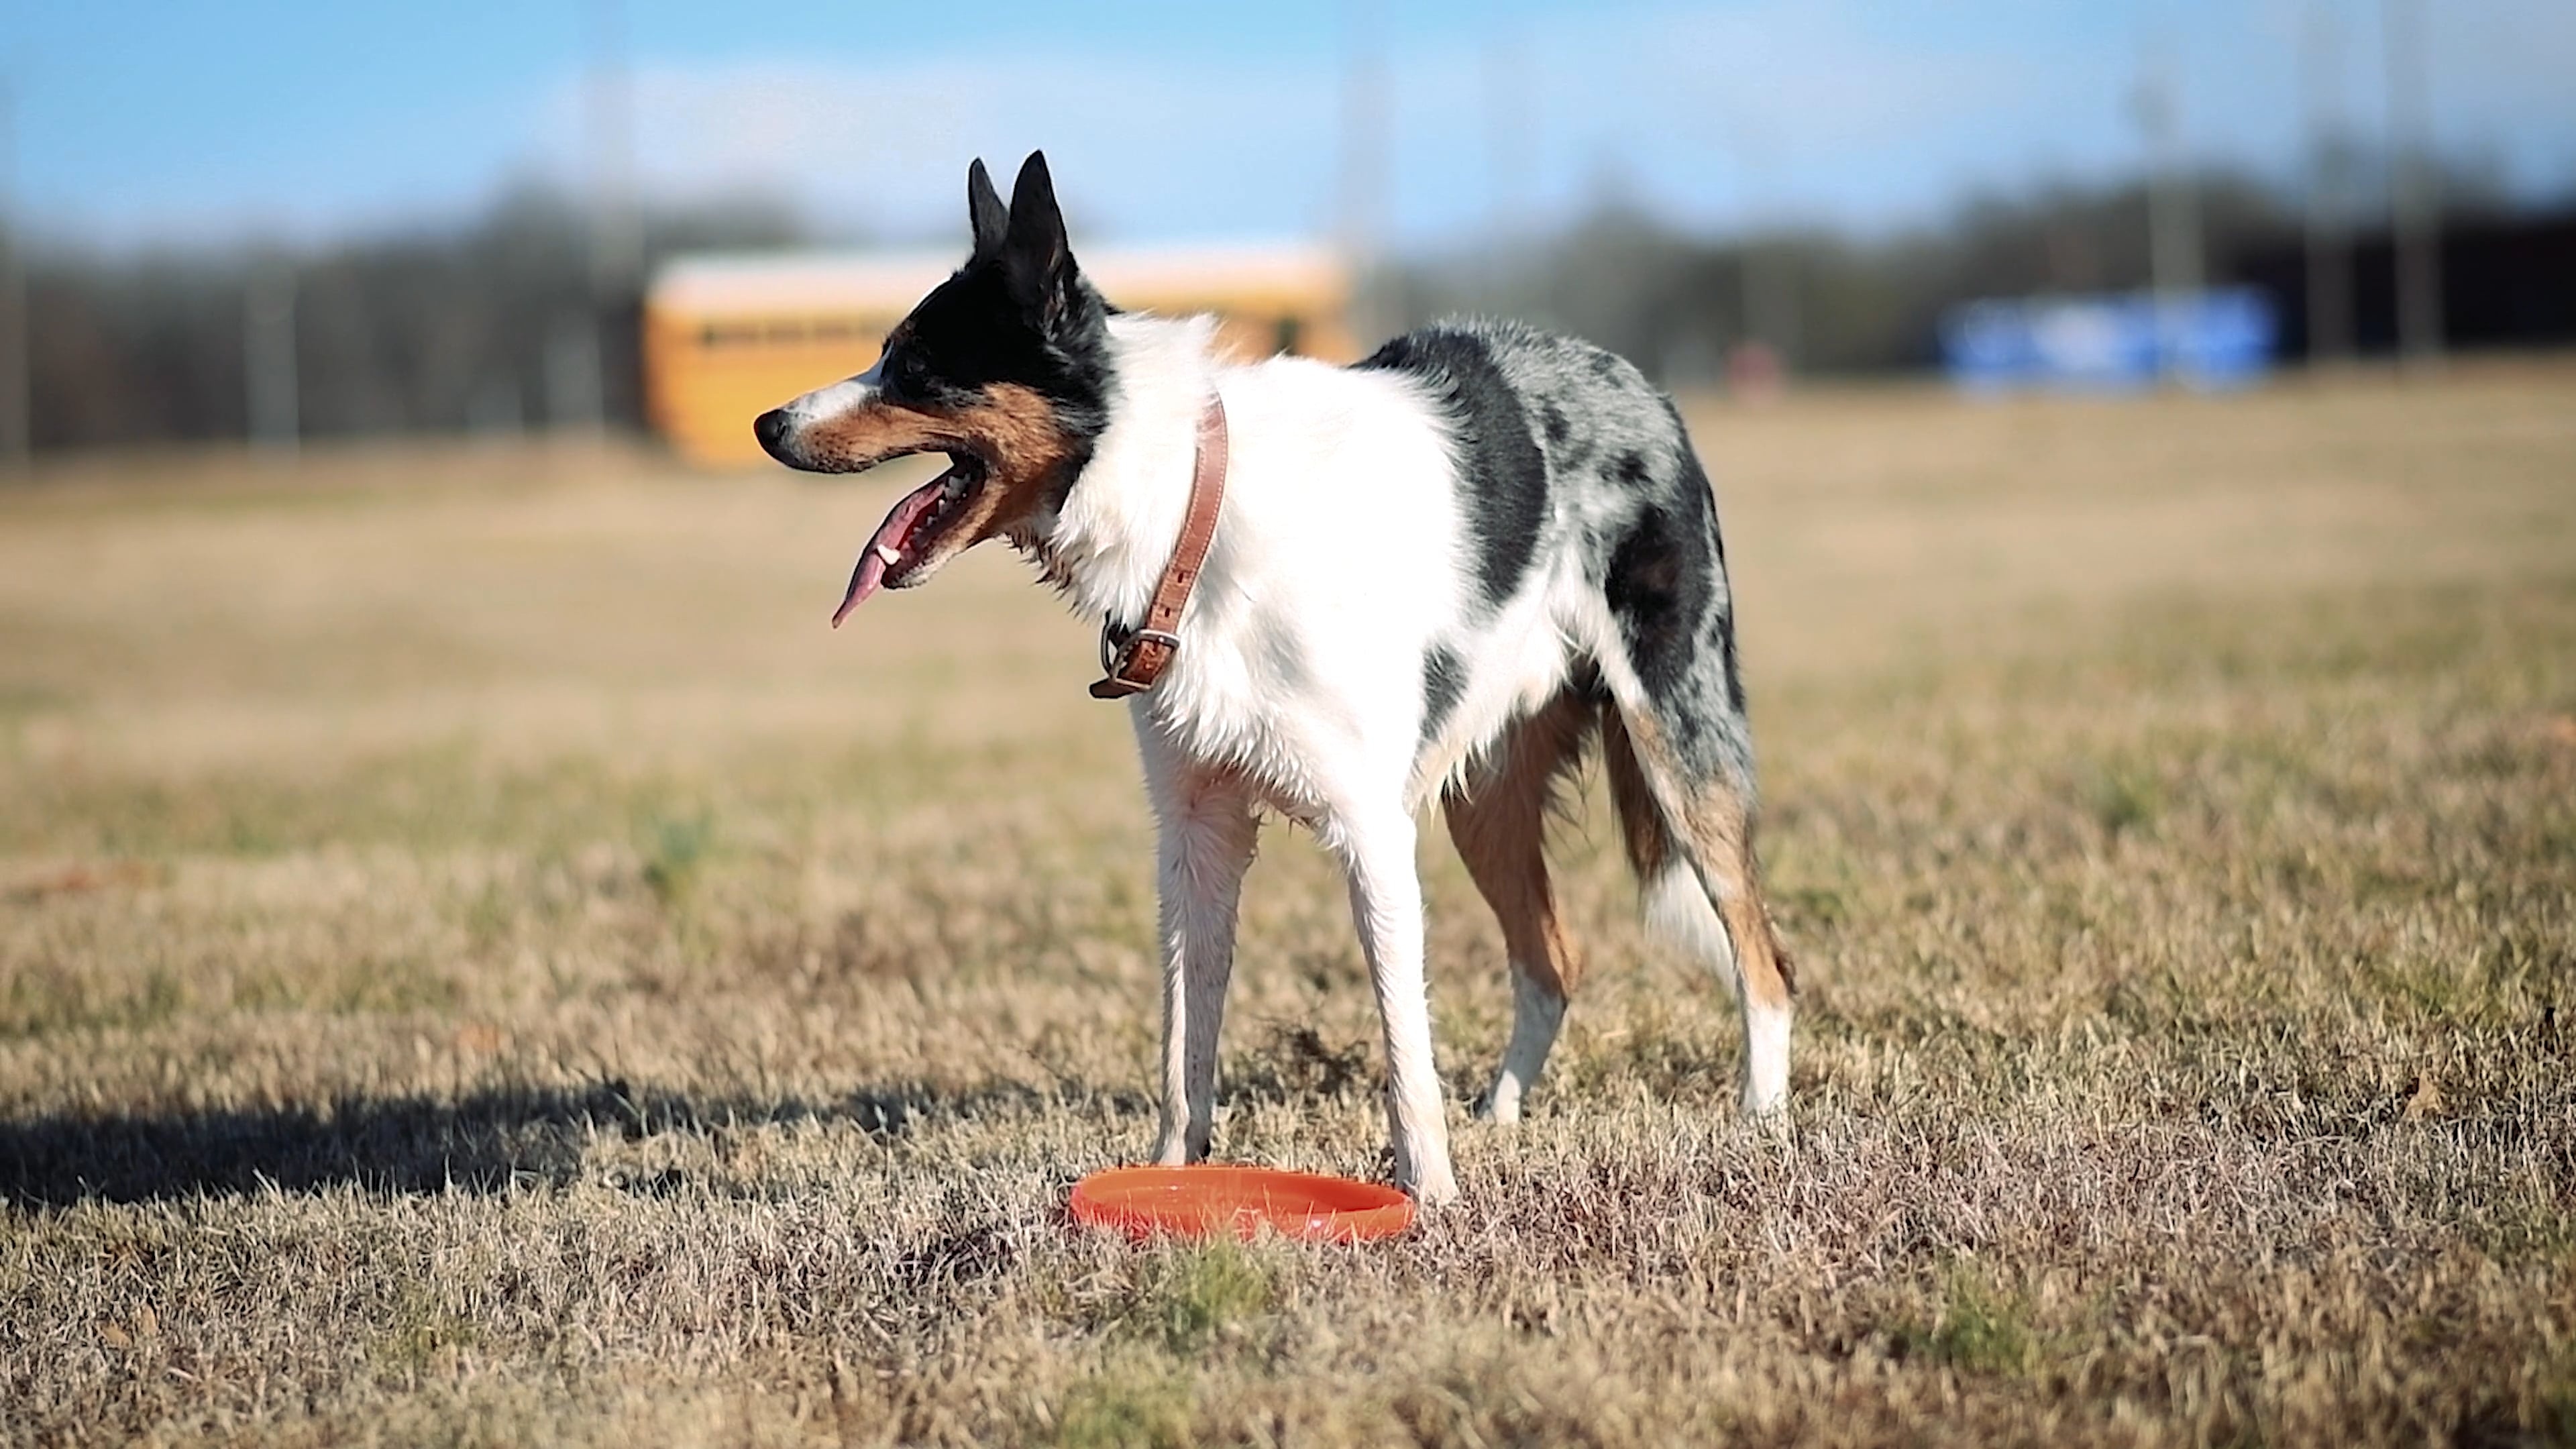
(2558, 1403)
(434, 796)
(1814, 906)
(1979, 1329)
(2122, 799)
(390, 985)
(489, 915)
(24, 697)
(675, 855)
(1192, 1297)
(2431, 989)
(1132, 1407)
(418, 1333)
(2519, 1227)
(42, 1002)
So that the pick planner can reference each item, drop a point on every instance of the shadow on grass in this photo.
(487, 1141)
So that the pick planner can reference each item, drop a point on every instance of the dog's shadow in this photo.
(489, 1140)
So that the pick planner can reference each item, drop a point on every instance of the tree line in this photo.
(483, 326)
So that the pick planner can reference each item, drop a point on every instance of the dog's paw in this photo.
(1433, 1193)
(1770, 1117)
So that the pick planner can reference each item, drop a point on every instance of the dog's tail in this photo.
(1689, 831)
(1689, 837)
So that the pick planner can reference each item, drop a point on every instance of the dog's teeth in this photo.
(887, 555)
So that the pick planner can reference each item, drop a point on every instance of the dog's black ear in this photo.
(1035, 255)
(984, 210)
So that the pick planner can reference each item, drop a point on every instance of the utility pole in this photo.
(17, 441)
(1507, 155)
(1770, 278)
(2329, 239)
(268, 358)
(1768, 272)
(616, 236)
(2414, 187)
(1364, 167)
(2173, 205)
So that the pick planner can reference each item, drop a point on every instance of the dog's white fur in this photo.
(1335, 475)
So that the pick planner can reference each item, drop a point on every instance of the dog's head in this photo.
(1003, 367)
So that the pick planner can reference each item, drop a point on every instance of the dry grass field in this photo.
(481, 963)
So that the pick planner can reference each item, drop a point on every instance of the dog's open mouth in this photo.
(914, 534)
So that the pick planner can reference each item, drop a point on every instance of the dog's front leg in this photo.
(1386, 906)
(1207, 837)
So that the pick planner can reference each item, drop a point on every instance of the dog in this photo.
(1439, 572)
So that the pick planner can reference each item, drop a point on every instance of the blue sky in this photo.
(186, 121)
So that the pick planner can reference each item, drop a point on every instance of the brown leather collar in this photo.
(1133, 659)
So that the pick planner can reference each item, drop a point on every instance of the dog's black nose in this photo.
(771, 428)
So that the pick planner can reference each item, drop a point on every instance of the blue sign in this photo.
(2213, 339)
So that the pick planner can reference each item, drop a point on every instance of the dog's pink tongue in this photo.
(888, 540)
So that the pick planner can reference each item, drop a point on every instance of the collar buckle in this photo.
(1118, 650)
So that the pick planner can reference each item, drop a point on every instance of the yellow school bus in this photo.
(728, 337)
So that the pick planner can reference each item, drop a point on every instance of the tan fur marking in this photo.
(1641, 821)
(857, 437)
(1718, 821)
(1016, 431)
(1498, 820)
(1013, 429)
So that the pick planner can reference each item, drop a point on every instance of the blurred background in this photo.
(292, 221)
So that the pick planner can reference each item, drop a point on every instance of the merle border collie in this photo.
(1439, 572)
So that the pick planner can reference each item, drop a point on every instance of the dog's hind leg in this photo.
(1498, 818)
(1207, 835)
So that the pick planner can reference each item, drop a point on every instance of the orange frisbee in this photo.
(1198, 1202)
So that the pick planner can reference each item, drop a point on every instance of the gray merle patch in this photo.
(1506, 501)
